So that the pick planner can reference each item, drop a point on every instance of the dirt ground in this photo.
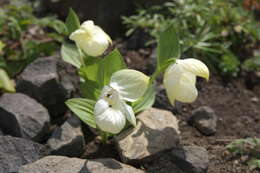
(237, 105)
(238, 110)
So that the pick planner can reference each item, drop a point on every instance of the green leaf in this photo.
(110, 64)
(59, 27)
(84, 109)
(2, 45)
(30, 51)
(91, 70)
(53, 23)
(252, 64)
(146, 101)
(244, 146)
(90, 89)
(168, 46)
(254, 164)
(90, 85)
(72, 21)
(2, 63)
(229, 64)
(97, 73)
(5, 83)
(235, 146)
(46, 49)
(70, 54)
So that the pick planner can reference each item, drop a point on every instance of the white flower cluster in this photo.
(111, 110)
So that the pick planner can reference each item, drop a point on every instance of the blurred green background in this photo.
(224, 34)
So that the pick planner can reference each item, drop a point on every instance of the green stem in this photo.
(161, 69)
(155, 74)
(104, 137)
(81, 55)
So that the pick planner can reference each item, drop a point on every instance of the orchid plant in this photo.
(114, 94)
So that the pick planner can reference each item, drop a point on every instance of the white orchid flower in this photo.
(91, 39)
(111, 110)
(180, 79)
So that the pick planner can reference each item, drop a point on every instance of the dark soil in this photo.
(238, 111)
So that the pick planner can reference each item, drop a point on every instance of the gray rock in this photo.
(54, 164)
(156, 130)
(15, 152)
(58, 164)
(109, 166)
(162, 163)
(191, 159)
(46, 81)
(1, 133)
(22, 116)
(68, 140)
(205, 120)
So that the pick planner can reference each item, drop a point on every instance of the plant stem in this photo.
(155, 74)
(104, 137)
(161, 69)
(81, 55)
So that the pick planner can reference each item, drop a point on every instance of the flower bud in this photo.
(180, 79)
(91, 39)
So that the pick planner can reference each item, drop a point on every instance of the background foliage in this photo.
(24, 37)
(249, 147)
(220, 32)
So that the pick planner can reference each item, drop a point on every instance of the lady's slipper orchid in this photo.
(111, 111)
(91, 39)
(180, 79)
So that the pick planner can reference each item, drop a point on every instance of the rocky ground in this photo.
(39, 135)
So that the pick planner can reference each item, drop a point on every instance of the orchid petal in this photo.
(130, 84)
(108, 119)
(129, 113)
(195, 66)
(91, 39)
(180, 84)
